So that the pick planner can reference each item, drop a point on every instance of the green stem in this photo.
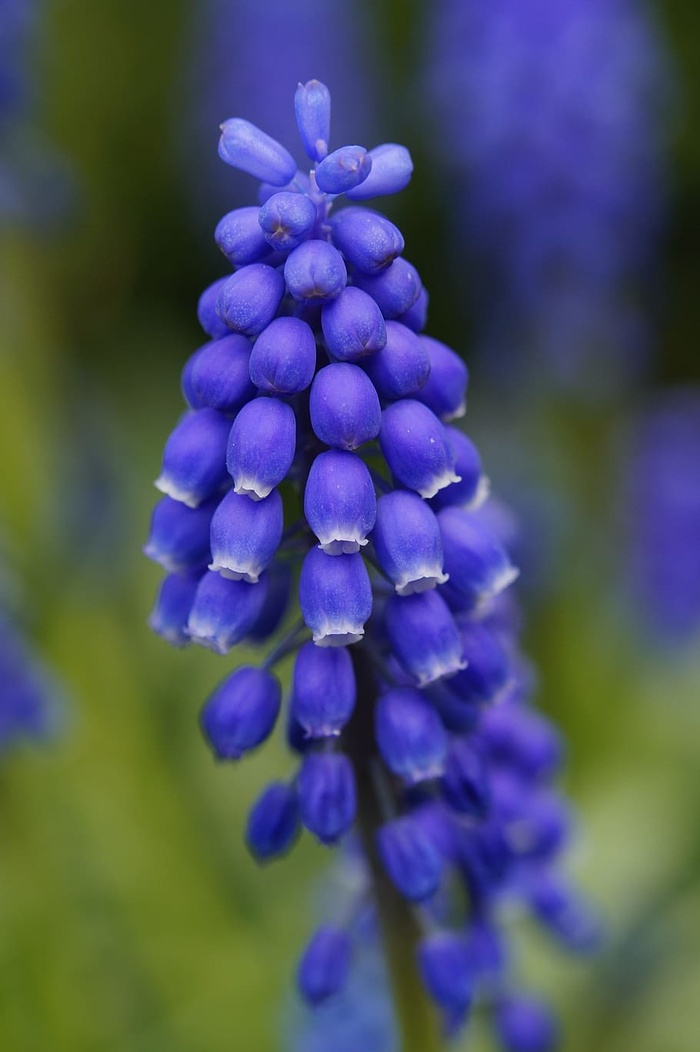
(417, 1019)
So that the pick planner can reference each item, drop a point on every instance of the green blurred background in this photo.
(131, 917)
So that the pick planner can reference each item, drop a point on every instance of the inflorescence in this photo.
(318, 457)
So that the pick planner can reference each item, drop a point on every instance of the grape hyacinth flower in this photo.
(338, 470)
(29, 695)
(549, 121)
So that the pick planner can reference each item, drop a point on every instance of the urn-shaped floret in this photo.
(241, 712)
(335, 596)
(327, 795)
(415, 447)
(245, 534)
(407, 542)
(323, 690)
(261, 446)
(339, 502)
(194, 459)
(323, 969)
(410, 735)
(273, 822)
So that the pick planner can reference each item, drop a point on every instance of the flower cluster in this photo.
(318, 437)
(550, 115)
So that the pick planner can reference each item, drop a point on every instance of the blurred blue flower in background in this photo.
(662, 493)
(549, 124)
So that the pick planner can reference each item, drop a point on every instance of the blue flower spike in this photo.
(319, 502)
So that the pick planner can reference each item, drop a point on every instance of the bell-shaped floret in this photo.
(407, 542)
(391, 171)
(241, 713)
(445, 390)
(344, 406)
(224, 611)
(415, 448)
(367, 239)
(524, 1024)
(283, 359)
(173, 604)
(327, 795)
(323, 969)
(401, 367)
(312, 108)
(394, 289)
(179, 536)
(476, 561)
(335, 596)
(315, 272)
(286, 219)
(410, 735)
(245, 534)
(250, 298)
(343, 170)
(423, 636)
(473, 486)
(409, 858)
(563, 913)
(217, 375)
(261, 446)
(489, 665)
(339, 502)
(240, 238)
(443, 962)
(273, 822)
(323, 690)
(194, 459)
(518, 737)
(251, 150)
(465, 783)
(353, 325)
(207, 315)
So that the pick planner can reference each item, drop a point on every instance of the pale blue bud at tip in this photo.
(407, 542)
(323, 690)
(194, 458)
(339, 502)
(245, 534)
(324, 966)
(409, 858)
(343, 170)
(286, 219)
(391, 171)
(353, 325)
(312, 108)
(335, 597)
(273, 822)
(410, 735)
(327, 795)
(251, 150)
(424, 636)
(283, 359)
(224, 611)
(241, 713)
(261, 446)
